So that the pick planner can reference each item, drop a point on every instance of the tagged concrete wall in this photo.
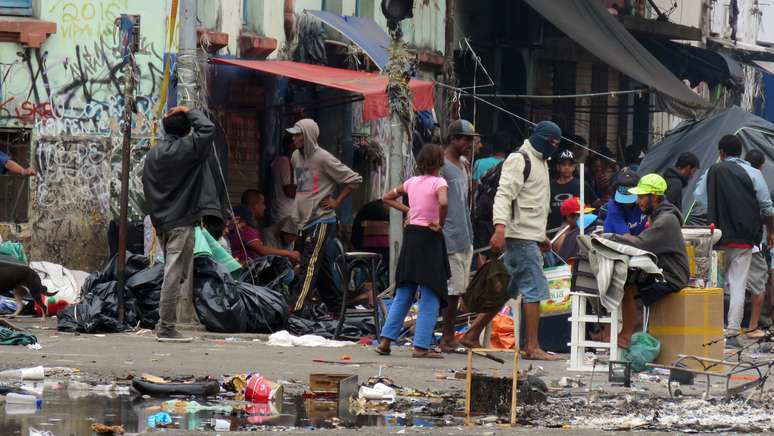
(69, 93)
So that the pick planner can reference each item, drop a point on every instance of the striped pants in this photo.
(316, 269)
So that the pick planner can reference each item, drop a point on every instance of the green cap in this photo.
(650, 184)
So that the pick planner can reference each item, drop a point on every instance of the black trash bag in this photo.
(228, 306)
(97, 312)
(353, 329)
(145, 287)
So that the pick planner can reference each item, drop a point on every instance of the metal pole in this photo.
(187, 87)
(127, 26)
(395, 170)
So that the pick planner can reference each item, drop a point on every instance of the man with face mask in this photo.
(520, 214)
(663, 238)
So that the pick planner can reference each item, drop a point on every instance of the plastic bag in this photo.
(502, 332)
(145, 287)
(488, 290)
(227, 306)
(643, 350)
(97, 312)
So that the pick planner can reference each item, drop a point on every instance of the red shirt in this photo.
(248, 234)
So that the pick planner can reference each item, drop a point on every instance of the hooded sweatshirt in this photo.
(664, 238)
(317, 174)
(675, 184)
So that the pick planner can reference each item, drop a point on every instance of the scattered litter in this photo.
(35, 346)
(159, 420)
(569, 382)
(649, 377)
(107, 429)
(345, 357)
(285, 339)
(157, 386)
(34, 373)
(379, 392)
(36, 432)
(11, 337)
(221, 424)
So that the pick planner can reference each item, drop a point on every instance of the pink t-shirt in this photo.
(423, 199)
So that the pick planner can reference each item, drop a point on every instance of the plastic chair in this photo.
(346, 263)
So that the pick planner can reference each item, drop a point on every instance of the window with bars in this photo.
(15, 189)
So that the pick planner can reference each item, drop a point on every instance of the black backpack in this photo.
(487, 188)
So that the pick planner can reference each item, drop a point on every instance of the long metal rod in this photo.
(124, 198)
(561, 96)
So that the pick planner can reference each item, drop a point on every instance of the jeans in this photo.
(429, 304)
(737, 267)
(176, 301)
(524, 261)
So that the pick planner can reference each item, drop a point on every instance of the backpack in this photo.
(487, 188)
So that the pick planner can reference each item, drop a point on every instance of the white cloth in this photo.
(281, 175)
(737, 267)
(284, 339)
(610, 262)
(57, 278)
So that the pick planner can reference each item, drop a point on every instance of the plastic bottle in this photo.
(14, 398)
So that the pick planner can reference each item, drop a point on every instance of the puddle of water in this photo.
(66, 412)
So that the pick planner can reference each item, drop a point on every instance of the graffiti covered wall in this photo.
(69, 93)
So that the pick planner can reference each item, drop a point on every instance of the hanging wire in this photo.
(519, 117)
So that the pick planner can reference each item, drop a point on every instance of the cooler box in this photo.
(685, 320)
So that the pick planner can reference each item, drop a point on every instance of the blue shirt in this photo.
(622, 219)
(759, 185)
(3, 159)
(482, 166)
(457, 229)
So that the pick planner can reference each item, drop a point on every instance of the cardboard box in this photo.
(686, 320)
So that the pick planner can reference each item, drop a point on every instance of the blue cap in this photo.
(622, 195)
(588, 219)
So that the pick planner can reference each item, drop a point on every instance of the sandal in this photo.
(426, 354)
(755, 334)
(382, 352)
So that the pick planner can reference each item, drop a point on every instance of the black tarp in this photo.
(696, 64)
(701, 138)
(589, 24)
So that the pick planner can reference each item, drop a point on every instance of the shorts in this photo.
(525, 263)
(652, 292)
(758, 275)
(460, 271)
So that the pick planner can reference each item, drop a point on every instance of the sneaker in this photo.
(733, 343)
(172, 335)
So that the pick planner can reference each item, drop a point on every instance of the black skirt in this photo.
(423, 260)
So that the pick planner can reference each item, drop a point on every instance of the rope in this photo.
(519, 117)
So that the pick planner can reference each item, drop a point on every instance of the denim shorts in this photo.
(525, 263)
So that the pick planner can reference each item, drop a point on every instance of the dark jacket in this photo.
(179, 177)
(675, 185)
(732, 205)
(664, 238)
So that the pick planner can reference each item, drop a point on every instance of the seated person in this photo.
(245, 240)
(663, 238)
(624, 217)
(565, 243)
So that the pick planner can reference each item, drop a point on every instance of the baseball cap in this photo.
(565, 155)
(625, 179)
(650, 184)
(572, 205)
(295, 130)
(462, 127)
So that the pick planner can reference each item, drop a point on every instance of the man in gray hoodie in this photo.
(318, 175)
(664, 238)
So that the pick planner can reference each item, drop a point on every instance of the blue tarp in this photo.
(364, 32)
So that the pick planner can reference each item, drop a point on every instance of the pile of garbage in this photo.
(222, 303)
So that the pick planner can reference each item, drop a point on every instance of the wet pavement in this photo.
(68, 411)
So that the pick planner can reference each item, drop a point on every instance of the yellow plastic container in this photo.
(684, 321)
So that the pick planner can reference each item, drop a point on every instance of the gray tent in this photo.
(701, 138)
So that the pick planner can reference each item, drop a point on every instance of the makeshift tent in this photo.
(701, 138)
(589, 24)
(363, 32)
(373, 87)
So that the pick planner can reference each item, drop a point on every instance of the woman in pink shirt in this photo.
(423, 264)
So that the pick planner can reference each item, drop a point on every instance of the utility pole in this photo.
(397, 90)
(130, 35)
(187, 95)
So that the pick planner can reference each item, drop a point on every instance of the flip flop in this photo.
(755, 334)
(382, 352)
(451, 350)
(427, 354)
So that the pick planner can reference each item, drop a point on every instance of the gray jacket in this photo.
(664, 238)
